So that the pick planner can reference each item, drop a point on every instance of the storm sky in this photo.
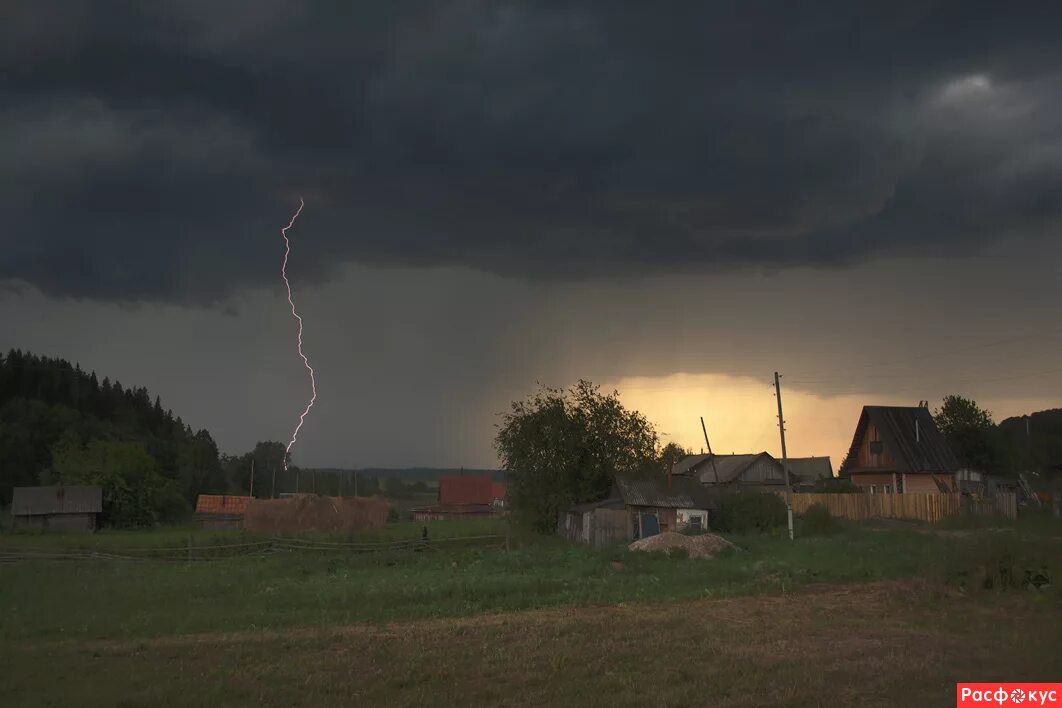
(675, 204)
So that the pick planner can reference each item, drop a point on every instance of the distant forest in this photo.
(55, 417)
(1031, 443)
(60, 424)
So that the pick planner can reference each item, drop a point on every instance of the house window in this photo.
(887, 489)
(873, 489)
(875, 447)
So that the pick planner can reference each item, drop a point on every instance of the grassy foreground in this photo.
(876, 644)
(871, 613)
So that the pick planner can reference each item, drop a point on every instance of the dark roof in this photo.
(728, 467)
(923, 451)
(808, 469)
(679, 493)
(688, 463)
(610, 503)
(29, 501)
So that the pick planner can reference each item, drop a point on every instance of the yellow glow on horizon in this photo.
(741, 413)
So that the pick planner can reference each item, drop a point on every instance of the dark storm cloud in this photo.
(153, 152)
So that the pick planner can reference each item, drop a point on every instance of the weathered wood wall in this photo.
(924, 507)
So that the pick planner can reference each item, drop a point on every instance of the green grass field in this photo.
(253, 625)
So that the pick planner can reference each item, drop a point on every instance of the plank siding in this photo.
(867, 459)
(923, 507)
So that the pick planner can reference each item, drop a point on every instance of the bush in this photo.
(1002, 562)
(836, 485)
(745, 512)
(818, 521)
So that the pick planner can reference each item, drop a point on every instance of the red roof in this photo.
(466, 489)
(221, 504)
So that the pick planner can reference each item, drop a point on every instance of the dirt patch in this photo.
(704, 546)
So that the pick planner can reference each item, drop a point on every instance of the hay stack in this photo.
(703, 546)
(309, 512)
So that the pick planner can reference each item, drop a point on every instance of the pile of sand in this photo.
(703, 546)
(309, 512)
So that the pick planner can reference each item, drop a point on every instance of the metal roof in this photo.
(686, 464)
(610, 503)
(678, 493)
(911, 438)
(729, 467)
(30, 501)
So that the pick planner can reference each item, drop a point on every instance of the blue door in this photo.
(650, 526)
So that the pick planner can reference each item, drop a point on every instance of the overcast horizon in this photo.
(674, 205)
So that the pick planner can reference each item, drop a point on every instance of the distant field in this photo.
(425, 627)
(179, 536)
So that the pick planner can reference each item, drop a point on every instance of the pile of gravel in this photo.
(703, 546)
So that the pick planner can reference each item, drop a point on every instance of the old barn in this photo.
(60, 508)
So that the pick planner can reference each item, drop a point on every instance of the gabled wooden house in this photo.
(899, 449)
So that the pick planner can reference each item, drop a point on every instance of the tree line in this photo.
(61, 424)
(1019, 444)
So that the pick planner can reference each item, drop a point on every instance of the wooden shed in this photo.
(599, 523)
(58, 508)
(638, 508)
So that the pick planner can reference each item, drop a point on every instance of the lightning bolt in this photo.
(295, 314)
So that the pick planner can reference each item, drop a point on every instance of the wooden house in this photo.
(60, 508)
(747, 470)
(899, 449)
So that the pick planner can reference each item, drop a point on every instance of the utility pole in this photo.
(785, 459)
(1028, 445)
(250, 493)
(711, 456)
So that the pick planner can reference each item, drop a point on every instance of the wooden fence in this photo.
(924, 507)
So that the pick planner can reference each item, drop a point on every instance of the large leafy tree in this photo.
(134, 492)
(566, 446)
(670, 455)
(970, 431)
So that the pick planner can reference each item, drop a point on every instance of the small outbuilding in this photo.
(639, 508)
(221, 511)
(670, 504)
(463, 496)
(59, 508)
